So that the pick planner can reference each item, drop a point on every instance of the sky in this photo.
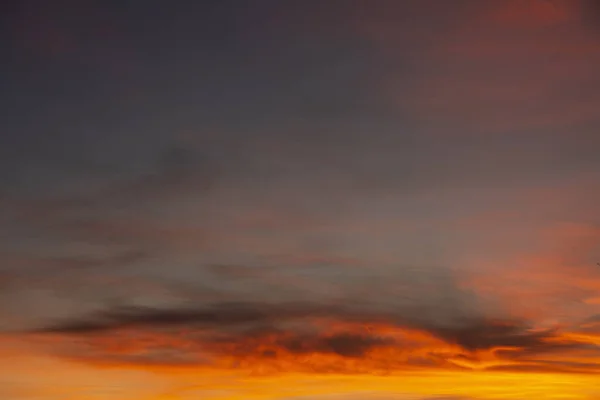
(300, 200)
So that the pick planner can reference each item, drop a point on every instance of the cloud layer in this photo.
(295, 201)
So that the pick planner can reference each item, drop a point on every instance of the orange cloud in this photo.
(556, 282)
(305, 339)
(394, 361)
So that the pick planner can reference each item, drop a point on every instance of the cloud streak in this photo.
(314, 338)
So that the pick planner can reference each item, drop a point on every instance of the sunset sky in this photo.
(300, 200)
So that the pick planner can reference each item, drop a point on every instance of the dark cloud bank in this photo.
(263, 333)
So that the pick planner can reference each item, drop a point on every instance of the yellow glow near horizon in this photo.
(54, 379)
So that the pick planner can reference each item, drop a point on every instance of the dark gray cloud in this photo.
(175, 172)
(19, 266)
(269, 343)
(484, 334)
(217, 316)
(262, 331)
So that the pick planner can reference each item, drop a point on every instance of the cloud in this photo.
(310, 338)
(308, 242)
(220, 315)
(270, 343)
(491, 334)
(175, 171)
(18, 266)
